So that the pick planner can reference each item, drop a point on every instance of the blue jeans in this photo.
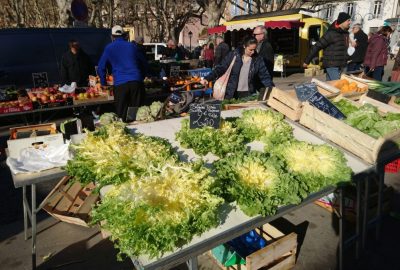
(353, 66)
(333, 73)
(377, 74)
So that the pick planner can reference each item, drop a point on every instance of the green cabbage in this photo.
(110, 155)
(315, 166)
(144, 114)
(156, 213)
(155, 108)
(264, 125)
(207, 139)
(256, 181)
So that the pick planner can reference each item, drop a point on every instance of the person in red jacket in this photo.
(377, 53)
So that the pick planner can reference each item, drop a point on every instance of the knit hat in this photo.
(343, 16)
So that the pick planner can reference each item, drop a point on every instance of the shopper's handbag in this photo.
(220, 84)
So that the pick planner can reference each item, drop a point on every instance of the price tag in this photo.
(379, 96)
(323, 104)
(174, 71)
(305, 91)
(202, 115)
(40, 79)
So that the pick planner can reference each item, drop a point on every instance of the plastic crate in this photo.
(393, 167)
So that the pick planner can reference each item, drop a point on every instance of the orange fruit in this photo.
(345, 89)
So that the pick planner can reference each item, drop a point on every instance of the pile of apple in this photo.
(47, 94)
(21, 102)
(91, 92)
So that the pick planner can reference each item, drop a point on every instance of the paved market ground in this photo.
(65, 246)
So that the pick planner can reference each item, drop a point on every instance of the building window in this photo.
(377, 8)
(329, 12)
(350, 9)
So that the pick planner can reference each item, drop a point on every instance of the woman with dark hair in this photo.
(248, 69)
(377, 53)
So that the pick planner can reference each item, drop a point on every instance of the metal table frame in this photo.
(30, 211)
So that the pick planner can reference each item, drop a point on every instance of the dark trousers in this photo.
(377, 74)
(130, 94)
(353, 66)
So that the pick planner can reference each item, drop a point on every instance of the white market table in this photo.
(236, 222)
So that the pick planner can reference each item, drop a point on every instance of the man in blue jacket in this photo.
(129, 67)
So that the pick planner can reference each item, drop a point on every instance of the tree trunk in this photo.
(214, 13)
(63, 6)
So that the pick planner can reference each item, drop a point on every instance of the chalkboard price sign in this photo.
(40, 79)
(202, 115)
(305, 91)
(323, 104)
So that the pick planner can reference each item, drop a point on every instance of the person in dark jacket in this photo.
(377, 53)
(172, 51)
(76, 65)
(246, 68)
(128, 69)
(221, 51)
(360, 43)
(335, 43)
(264, 48)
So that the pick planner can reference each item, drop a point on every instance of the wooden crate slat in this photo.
(56, 193)
(81, 197)
(86, 207)
(286, 264)
(271, 252)
(380, 105)
(66, 202)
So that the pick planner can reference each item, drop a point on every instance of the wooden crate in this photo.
(242, 105)
(361, 85)
(350, 138)
(70, 202)
(391, 107)
(393, 103)
(279, 254)
(287, 103)
(91, 100)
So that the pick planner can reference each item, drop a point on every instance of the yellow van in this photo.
(291, 32)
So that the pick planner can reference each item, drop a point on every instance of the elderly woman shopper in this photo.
(377, 53)
(248, 71)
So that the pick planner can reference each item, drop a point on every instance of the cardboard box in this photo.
(31, 136)
(309, 72)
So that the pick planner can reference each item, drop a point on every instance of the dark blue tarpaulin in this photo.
(27, 51)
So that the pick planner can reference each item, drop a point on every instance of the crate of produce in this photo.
(367, 147)
(390, 107)
(287, 103)
(241, 105)
(71, 202)
(20, 105)
(348, 85)
(278, 254)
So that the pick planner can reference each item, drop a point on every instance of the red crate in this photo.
(393, 167)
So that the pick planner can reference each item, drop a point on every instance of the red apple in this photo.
(34, 99)
(44, 98)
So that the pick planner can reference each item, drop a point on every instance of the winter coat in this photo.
(361, 48)
(267, 54)
(76, 68)
(334, 43)
(377, 51)
(257, 70)
(221, 51)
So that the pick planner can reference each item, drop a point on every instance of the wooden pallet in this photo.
(350, 138)
(279, 254)
(287, 103)
(70, 202)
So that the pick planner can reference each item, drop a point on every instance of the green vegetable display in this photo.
(111, 156)
(388, 88)
(264, 125)
(155, 213)
(367, 119)
(108, 118)
(314, 166)
(149, 113)
(256, 181)
(207, 139)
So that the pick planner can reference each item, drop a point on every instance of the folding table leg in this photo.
(381, 179)
(192, 263)
(34, 210)
(25, 213)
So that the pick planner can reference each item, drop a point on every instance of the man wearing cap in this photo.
(129, 67)
(360, 43)
(335, 43)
